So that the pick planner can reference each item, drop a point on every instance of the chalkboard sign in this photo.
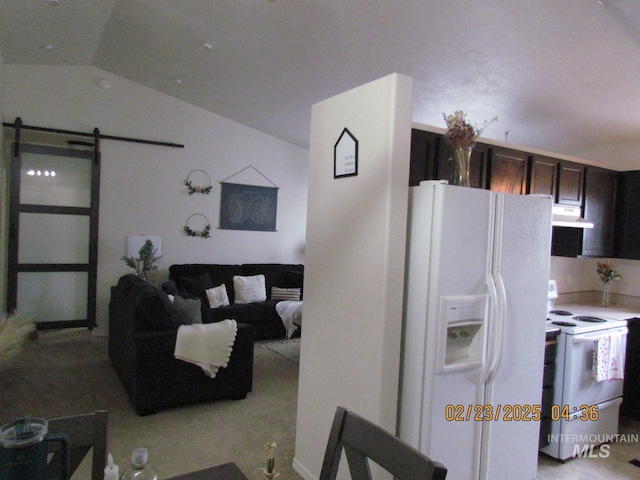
(248, 207)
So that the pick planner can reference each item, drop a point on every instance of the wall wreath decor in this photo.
(204, 185)
(205, 230)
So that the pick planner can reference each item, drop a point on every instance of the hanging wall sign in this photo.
(248, 207)
(345, 155)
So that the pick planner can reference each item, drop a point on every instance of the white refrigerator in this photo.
(474, 329)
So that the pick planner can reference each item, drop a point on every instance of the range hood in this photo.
(568, 216)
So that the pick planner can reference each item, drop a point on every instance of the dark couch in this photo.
(193, 280)
(142, 335)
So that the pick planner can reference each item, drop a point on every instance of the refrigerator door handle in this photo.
(499, 328)
(494, 308)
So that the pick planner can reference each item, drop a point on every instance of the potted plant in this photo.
(145, 261)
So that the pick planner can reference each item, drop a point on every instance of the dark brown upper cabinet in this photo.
(507, 170)
(599, 208)
(543, 176)
(425, 148)
(627, 218)
(432, 159)
(570, 183)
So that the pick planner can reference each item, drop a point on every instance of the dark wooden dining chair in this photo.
(363, 440)
(85, 432)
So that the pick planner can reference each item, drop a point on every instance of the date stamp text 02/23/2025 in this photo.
(517, 413)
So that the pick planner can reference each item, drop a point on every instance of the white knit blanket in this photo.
(290, 312)
(207, 345)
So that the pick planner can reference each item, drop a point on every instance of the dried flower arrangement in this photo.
(13, 333)
(607, 273)
(461, 133)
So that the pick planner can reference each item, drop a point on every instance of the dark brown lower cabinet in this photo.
(548, 378)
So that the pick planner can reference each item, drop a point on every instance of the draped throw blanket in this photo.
(207, 345)
(290, 312)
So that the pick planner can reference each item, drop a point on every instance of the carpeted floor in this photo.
(287, 348)
(69, 372)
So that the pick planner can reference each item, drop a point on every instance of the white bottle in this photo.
(111, 472)
(140, 468)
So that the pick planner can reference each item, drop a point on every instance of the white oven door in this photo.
(580, 386)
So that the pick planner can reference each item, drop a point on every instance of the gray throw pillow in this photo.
(188, 309)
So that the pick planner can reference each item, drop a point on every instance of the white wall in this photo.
(354, 276)
(142, 186)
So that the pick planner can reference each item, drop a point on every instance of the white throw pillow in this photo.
(279, 293)
(217, 296)
(249, 289)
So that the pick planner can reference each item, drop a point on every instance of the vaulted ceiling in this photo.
(558, 73)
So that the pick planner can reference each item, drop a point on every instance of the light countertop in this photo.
(615, 312)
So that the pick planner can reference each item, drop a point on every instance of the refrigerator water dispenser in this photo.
(460, 332)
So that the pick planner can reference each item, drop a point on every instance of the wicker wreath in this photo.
(204, 233)
(191, 189)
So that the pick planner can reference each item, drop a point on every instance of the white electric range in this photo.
(585, 410)
(573, 323)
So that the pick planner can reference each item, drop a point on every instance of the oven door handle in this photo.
(592, 337)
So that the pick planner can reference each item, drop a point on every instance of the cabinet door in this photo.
(543, 176)
(424, 154)
(628, 221)
(599, 208)
(507, 170)
(570, 183)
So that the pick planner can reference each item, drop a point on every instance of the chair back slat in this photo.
(362, 441)
(85, 432)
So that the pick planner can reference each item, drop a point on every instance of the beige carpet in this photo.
(287, 348)
(68, 372)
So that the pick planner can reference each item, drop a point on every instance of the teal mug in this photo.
(24, 444)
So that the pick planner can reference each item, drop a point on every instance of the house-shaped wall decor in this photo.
(345, 155)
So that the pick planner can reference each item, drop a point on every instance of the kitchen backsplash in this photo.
(578, 281)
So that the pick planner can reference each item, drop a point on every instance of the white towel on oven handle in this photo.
(608, 357)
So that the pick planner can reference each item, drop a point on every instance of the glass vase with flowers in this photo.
(607, 274)
(462, 136)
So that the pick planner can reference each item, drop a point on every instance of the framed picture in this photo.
(345, 155)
